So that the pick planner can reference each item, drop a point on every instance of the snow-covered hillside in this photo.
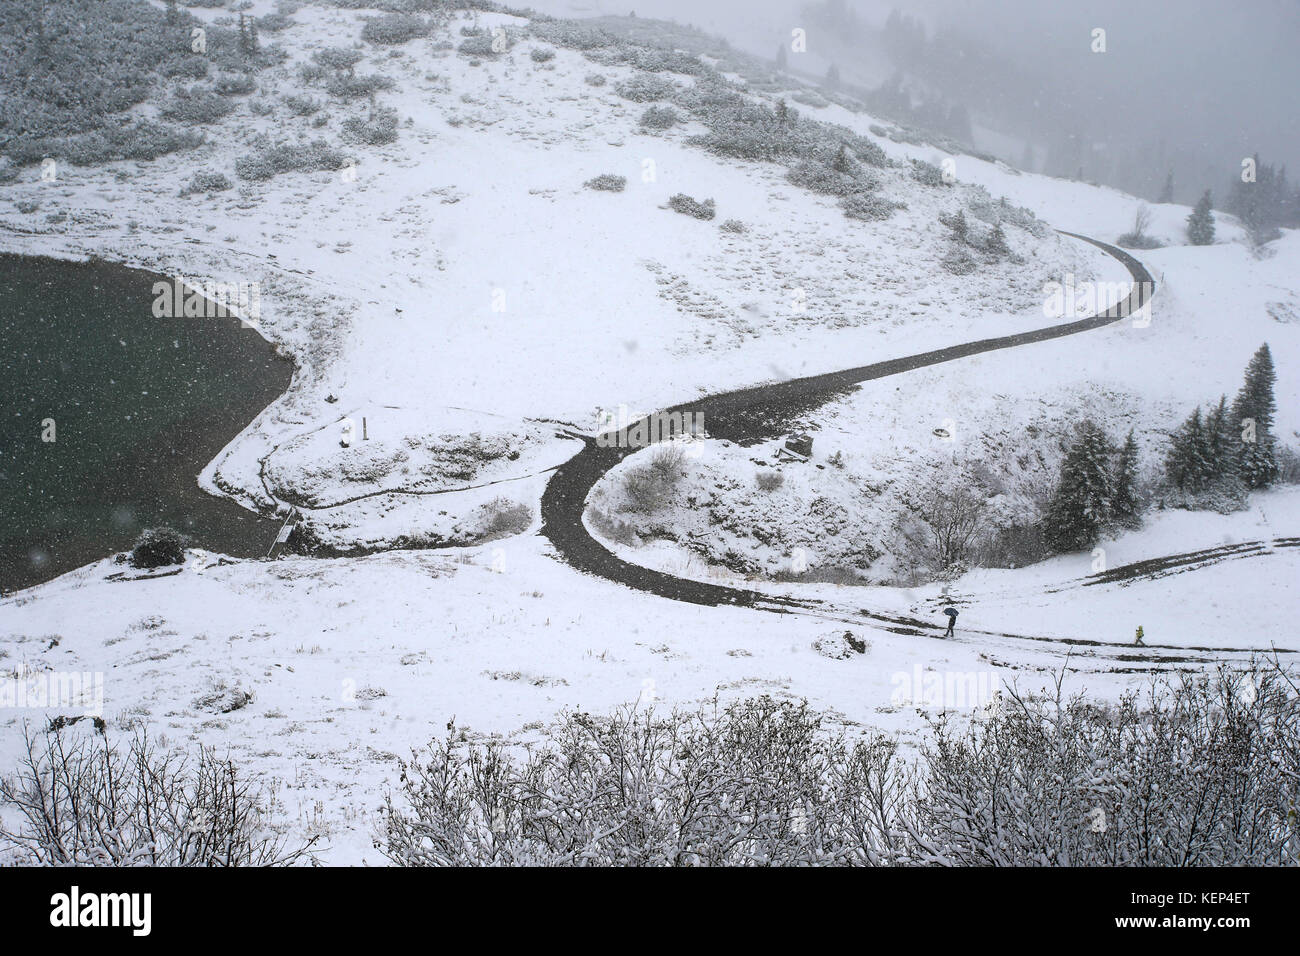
(465, 293)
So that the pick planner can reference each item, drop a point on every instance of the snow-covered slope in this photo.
(468, 284)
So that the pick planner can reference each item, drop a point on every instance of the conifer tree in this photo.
(1252, 420)
(1081, 503)
(1221, 439)
(1200, 224)
(1188, 464)
(1123, 502)
(1167, 193)
(843, 162)
(997, 242)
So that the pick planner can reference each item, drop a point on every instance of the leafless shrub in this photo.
(769, 480)
(503, 518)
(77, 800)
(1288, 465)
(647, 487)
(949, 518)
(1204, 771)
(753, 784)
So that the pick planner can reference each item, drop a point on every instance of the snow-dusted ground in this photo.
(388, 292)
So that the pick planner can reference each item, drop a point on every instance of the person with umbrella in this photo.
(952, 620)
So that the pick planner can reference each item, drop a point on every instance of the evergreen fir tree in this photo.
(1200, 224)
(997, 242)
(957, 223)
(1123, 501)
(1167, 193)
(1255, 404)
(1221, 440)
(833, 77)
(1081, 503)
(1188, 463)
(782, 58)
(843, 162)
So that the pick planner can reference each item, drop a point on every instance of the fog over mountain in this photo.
(1192, 87)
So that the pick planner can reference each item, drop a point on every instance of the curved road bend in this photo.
(754, 414)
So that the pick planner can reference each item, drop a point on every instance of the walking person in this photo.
(952, 620)
(1137, 641)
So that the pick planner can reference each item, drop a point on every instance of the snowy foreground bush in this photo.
(77, 800)
(1201, 772)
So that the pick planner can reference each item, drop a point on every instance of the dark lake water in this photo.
(140, 406)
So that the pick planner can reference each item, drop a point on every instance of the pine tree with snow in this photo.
(996, 243)
(1167, 193)
(843, 162)
(833, 77)
(1080, 506)
(1200, 224)
(1124, 501)
(1252, 419)
(1221, 439)
(782, 58)
(1188, 464)
(957, 223)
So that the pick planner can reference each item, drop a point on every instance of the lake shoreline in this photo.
(152, 475)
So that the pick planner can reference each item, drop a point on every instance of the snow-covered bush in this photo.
(824, 178)
(959, 261)
(270, 161)
(502, 518)
(206, 182)
(840, 645)
(756, 783)
(570, 34)
(234, 84)
(355, 87)
(337, 58)
(687, 206)
(541, 54)
(157, 547)
(75, 800)
(646, 88)
(378, 129)
(927, 174)
(302, 105)
(1203, 771)
(769, 480)
(732, 225)
(647, 487)
(196, 106)
(869, 207)
(394, 28)
(659, 117)
(477, 46)
(607, 182)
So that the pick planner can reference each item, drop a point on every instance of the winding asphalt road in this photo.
(755, 414)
